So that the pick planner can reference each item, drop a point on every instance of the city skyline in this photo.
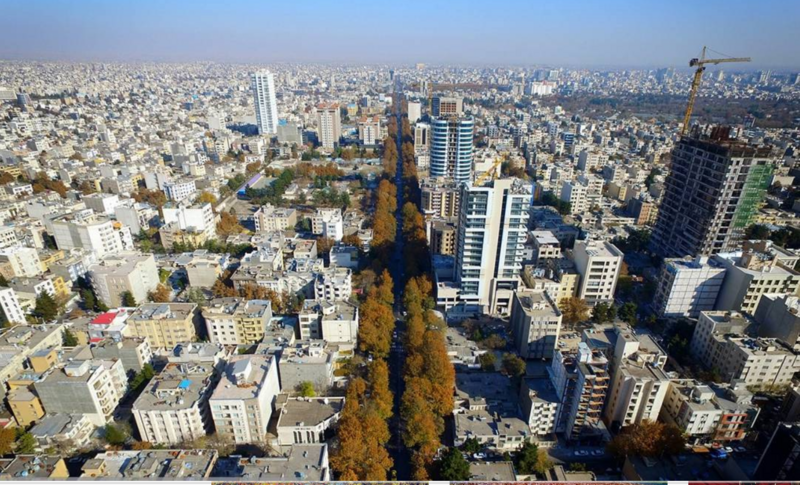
(610, 35)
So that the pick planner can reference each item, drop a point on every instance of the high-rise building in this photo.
(444, 106)
(688, 286)
(711, 195)
(263, 85)
(536, 323)
(599, 264)
(414, 111)
(369, 130)
(422, 138)
(781, 457)
(451, 148)
(491, 240)
(329, 125)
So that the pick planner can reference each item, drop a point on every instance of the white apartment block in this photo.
(333, 284)
(369, 130)
(236, 321)
(688, 286)
(545, 247)
(24, 262)
(751, 274)
(599, 264)
(242, 403)
(491, 241)
(129, 271)
(334, 322)
(102, 203)
(178, 190)
(173, 408)
(90, 232)
(576, 194)
(195, 218)
(263, 85)
(328, 223)
(11, 307)
(721, 342)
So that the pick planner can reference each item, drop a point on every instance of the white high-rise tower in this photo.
(266, 106)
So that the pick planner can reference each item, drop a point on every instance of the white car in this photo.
(479, 456)
(597, 452)
(729, 449)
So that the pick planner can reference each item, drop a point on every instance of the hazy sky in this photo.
(621, 33)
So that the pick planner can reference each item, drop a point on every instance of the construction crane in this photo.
(698, 75)
(492, 172)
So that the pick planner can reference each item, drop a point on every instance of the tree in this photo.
(453, 466)
(577, 467)
(627, 313)
(324, 245)
(128, 299)
(526, 458)
(513, 365)
(306, 389)
(487, 361)
(161, 294)
(46, 307)
(141, 378)
(115, 435)
(601, 313)
(575, 310)
(471, 445)
(26, 444)
(228, 224)
(7, 438)
(206, 198)
(650, 439)
(69, 339)
(757, 231)
(381, 395)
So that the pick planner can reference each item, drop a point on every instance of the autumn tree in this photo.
(650, 439)
(156, 198)
(384, 289)
(206, 198)
(7, 438)
(161, 294)
(380, 394)
(574, 310)
(228, 224)
(376, 327)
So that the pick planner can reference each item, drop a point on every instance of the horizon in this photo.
(583, 35)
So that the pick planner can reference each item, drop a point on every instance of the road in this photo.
(398, 451)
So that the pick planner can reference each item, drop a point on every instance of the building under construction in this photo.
(714, 189)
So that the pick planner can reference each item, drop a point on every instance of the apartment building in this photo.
(536, 323)
(333, 284)
(164, 325)
(598, 263)
(328, 223)
(306, 420)
(237, 321)
(269, 218)
(90, 387)
(688, 286)
(242, 403)
(332, 321)
(89, 231)
(173, 408)
(24, 262)
(129, 271)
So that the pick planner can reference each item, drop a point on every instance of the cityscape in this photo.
(294, 268)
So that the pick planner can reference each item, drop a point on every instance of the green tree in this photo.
(46, 307)
(471, 445)
(453, 466)
(140, 380)
(115, 435)
(526, 458)
(69, 339)
(513, 365)
(306, 389)
(627, 313)
(127, 299)
(26, 444)
(487, 361)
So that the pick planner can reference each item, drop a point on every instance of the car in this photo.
(597, 453)
(582, 453)
(479, 456)
(740, 449)
(728, 449)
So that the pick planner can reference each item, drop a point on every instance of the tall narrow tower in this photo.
(266, 107)
(451, 148)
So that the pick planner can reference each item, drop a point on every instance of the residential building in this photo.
(263, 85)
(198, 218)
(442, 106)
(306, 420)
(90, 387)
(69, 430)
(25, 406)
(329, 125)
(124, 272)
(328, 223)
(333, 284)
(35, 467)
(451, 148)
(545, 247)
(688, 286)
(724, 342)
(236, 321)
(87, 231)
(242, 403)
(269, 218)
(492, 232)
(24, 261)
(599, 264)
(443, 237)
(536, 323)
(422, 138)
(307, 361)
(173, 408)
(332, 321)
(131, 465)
(164, 325)
(342, 256)
(712, 193)
(301, 463)
(440, 198)
(178, 190)
(778, 317)
(9, 303)
(133, 352)
(203, 270)
(779, 461)
(369, 130)
(539, 404)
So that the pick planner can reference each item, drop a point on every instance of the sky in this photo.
(576, 33)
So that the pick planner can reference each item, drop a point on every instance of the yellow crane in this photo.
(492, 172)
(698, 75)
